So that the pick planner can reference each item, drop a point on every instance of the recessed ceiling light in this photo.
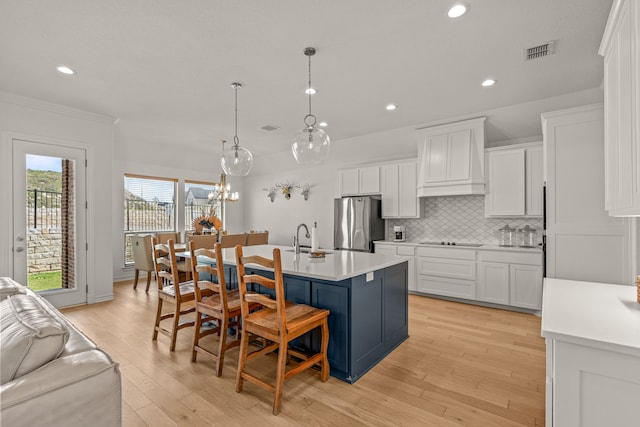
(391, 107)
(65, 70)
(323, 124)
(488, 82)
(457, 10)
(310, 91)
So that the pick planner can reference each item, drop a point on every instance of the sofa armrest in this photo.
(67, 391)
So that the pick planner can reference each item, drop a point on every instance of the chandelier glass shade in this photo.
(236, 160)
(310, 146)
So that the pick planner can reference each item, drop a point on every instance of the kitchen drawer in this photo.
(511, 257)
(454, 268)
(406, 250)
(447, 286)
(456, 253)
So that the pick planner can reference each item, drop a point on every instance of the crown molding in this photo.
(50, 107)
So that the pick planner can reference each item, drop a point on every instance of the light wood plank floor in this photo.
(463, 365)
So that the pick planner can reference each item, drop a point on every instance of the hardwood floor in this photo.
(462, 365)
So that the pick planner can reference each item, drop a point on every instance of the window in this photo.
(197, 203)
(149, 207)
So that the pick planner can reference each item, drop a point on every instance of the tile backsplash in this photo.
(457, 218)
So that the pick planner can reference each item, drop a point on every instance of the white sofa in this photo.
(51, 374)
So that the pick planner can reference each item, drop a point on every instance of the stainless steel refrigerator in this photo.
(357, 223)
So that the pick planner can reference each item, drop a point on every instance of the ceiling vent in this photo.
(270, 128)
(539, 51)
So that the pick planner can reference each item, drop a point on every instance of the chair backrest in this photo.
(232, 240)
(261, 238)
(163, 237)
(203, 240)
(276, 284)
(164, 255)
(142, 247)
(219, 286)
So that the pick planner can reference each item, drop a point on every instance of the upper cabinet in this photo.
(621, 50)
(514, 181)
(451, 159)
(399, 199)
(357, 181)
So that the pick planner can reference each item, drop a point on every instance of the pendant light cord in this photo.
(309, 84)
(235, 138)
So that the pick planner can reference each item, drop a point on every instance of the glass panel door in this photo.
(50, 220)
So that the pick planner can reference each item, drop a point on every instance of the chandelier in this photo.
(222, 192)
(236, 161)
(311, 145)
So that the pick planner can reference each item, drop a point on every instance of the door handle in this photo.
(19, 249)
(20, 239)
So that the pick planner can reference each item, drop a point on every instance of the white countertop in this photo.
(594, 314)
(335, 266)
(485, 247)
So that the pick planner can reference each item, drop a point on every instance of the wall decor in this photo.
(271, 192)
(304, 190)
(286, 189)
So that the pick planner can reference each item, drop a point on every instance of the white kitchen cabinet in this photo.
(514, 181)
(447, 272)
(399, 198)
(583, 241)
(401, 250)
(510, 278)
(493, 285)
(621, 50)
(592, 335)
(360, 181)
(451, 158)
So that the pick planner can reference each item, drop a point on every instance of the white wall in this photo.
(29, 117)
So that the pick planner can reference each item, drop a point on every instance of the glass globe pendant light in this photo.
(311, 145)
(236, 161)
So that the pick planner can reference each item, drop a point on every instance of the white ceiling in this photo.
(164, 67)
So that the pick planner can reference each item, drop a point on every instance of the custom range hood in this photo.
(451, 159)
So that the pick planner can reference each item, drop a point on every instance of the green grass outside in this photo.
(45, 281)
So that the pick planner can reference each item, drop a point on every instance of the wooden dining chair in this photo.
(170, 289)
(278, 322)
(261, 238)
(200, 241)
(231, 240)
(213, 301)
(142, 258)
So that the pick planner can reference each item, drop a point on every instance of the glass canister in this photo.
(527, 237)
(507, 236)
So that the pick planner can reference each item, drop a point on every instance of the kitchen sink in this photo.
(461, 244)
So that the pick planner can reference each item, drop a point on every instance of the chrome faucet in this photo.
(296, 238)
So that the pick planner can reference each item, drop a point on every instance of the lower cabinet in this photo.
(510, 278)
(402, 250)
(447, 272)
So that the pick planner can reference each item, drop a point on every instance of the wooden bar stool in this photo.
(279, 322)
(221, 304)
(172, 290)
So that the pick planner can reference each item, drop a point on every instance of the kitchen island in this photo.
(365, 292)
(592, 333)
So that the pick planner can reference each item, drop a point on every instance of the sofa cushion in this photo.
(29, 336)
(8, 286)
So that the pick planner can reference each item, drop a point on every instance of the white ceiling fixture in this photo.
(65, 70)
(488, 82)
(310, 91)
(311, 145)
(391, 107)
(323, 124)
(236, 161)
(457, 10)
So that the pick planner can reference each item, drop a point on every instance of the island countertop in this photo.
(335, 266)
